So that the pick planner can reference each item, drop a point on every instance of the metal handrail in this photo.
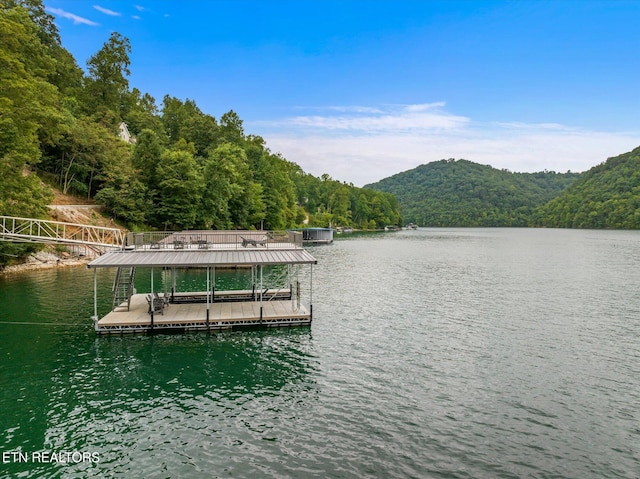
(13, 228)
(211, 239)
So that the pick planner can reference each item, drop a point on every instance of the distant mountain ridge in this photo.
(462, 193)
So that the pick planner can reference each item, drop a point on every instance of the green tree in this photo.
(108, 70)
(146, 156)
(180, 186)
(230, 198)
(231, 129)
(184, 120)
(140, 112)
(28, 103)
(126, 197)
(278, 190)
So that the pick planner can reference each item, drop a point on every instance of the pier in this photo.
(271, 302)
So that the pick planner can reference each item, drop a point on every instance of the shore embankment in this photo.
(45, 259)
(67, 209)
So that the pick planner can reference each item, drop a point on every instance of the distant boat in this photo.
(412, 226)
(392, 228)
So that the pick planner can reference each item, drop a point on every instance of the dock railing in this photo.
(57, 232)
(213, 240)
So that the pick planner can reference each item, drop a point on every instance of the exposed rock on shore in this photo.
(46, 259)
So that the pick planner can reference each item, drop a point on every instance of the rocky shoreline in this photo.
(45, 260)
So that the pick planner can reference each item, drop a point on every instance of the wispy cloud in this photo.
(364, 120)
(75, 18)
(106, 11)
(147, 10)
(364, 145)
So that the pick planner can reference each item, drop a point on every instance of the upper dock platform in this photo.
(207, 248)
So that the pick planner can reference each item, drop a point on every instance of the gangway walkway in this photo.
(34, 230)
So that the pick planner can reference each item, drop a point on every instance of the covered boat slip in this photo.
(271, 297)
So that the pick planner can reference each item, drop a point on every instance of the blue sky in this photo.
(365, 89)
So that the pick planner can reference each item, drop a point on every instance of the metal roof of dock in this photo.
(202, 258)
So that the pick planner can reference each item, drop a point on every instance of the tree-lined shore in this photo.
(180, 168)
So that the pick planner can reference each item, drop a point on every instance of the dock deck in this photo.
(193, 316)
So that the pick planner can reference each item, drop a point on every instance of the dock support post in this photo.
(311, 294)
(152, 300)
(261, 289)
(95, 298)
(173, 282)
(208, 292)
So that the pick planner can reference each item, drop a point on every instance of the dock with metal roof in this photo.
(164, 308)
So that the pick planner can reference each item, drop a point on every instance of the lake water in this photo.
(444, 353)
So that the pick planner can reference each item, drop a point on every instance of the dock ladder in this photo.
(123, 288)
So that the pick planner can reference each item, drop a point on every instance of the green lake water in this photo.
(444, 353)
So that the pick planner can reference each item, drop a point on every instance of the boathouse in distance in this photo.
(275, 294)
(316, 236)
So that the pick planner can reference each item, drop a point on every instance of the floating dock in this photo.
(270, 302)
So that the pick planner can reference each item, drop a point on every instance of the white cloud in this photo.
(425, 106)
(365, 148)
(368, 119)
(106, 11)
(75, 18)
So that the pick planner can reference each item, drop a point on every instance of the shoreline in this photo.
(44, 260)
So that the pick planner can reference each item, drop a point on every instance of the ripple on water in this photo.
(436, 353)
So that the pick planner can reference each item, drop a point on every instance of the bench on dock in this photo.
(230, 296)
(156, 305)
(253, 242)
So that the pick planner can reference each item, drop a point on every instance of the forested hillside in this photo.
(183, 168)
(606, 196)
(463, 193)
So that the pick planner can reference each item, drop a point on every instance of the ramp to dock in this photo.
(34, 230)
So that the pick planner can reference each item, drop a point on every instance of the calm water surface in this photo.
(445, 353)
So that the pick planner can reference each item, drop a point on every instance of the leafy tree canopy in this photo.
(463, 193)
(606, 196)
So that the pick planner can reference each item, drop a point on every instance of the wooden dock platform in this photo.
(193, 316)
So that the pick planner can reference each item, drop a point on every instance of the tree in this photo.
(179, 189)
(108, 71)
(278, 190)
(141, 112)
(231, 128)
(126, 198)
(145, 157)
(28, 103)
(184, 120)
